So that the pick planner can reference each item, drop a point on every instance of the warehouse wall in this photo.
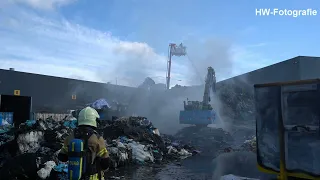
(288, 70)
(309, 67)
(54, 94)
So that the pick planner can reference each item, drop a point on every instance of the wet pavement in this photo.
(194, 168)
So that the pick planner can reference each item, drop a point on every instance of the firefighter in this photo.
(96, 154)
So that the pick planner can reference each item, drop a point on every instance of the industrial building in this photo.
(54, 94)
(297, 68)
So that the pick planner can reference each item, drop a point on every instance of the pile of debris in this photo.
(207, 140)
(129, 140)
(136, 137)
(210, 141)
(247, 146)
(250, 145)
(237, 100)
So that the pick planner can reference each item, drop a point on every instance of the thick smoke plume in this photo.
(164, 107)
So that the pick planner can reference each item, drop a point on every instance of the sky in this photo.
(125, 41)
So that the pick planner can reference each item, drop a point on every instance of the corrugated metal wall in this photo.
(53, 94)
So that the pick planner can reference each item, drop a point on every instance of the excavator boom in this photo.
(210, 84)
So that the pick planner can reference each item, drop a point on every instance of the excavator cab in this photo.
(287, 127)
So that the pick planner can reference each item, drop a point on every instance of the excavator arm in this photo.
(210, 84)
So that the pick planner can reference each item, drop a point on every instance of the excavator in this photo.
(201, 113)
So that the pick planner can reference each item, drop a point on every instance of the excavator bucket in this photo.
(197, 117)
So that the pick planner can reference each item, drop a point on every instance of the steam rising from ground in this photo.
(163, 107)
(221, 120)
(238, 163)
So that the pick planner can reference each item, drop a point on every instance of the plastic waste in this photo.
(44, 173)
(30, 123)
(5, 129)
(70, 124)
(4, 122)
(30, 141)
(145, 122)
(123, 139)
(184, 152)
(6, 118)
(120, 145)
(100, 103)
(140, 154)
(171, 150)
(175, 144)
(156, 131)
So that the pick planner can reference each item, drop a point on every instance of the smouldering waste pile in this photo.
(130, 140)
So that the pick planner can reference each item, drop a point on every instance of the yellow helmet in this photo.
(88, 116)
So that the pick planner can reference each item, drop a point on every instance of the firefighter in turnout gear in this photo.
(85, 149)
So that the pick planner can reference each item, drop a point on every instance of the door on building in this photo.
(19, 105)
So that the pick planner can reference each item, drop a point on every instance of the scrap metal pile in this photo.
(129, 140)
